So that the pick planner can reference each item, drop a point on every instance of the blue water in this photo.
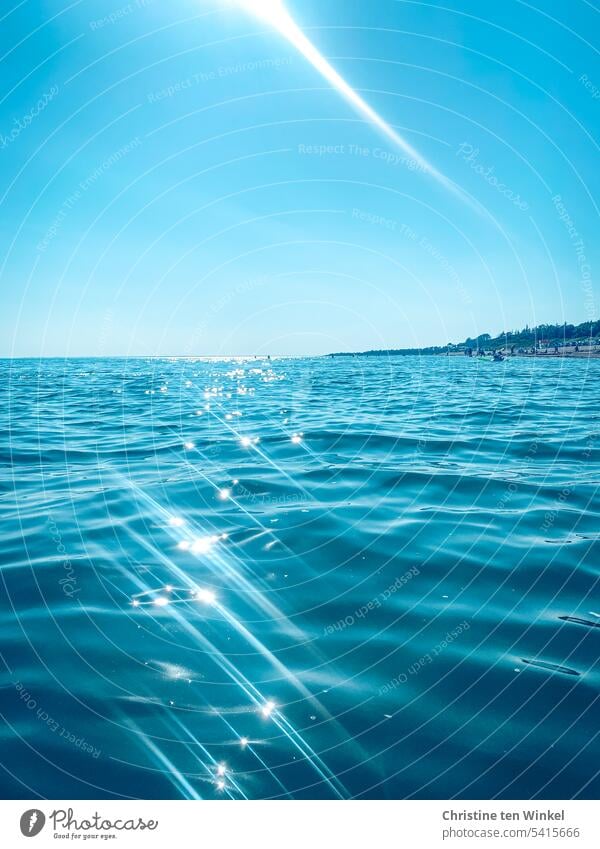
(356, 577)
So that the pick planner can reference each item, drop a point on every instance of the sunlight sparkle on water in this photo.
(247, 441)
(161, 601)
(176, 521)
(203, 545)
(207, 596)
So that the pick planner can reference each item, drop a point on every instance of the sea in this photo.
(370, 577)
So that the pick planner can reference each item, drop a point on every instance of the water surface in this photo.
(320, 578)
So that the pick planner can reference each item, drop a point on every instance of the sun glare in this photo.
(276, 15)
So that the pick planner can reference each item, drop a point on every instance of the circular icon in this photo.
(32, 822)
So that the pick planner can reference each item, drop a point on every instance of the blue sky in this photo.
(178, 179)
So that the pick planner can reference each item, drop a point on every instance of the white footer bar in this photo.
(300, 824)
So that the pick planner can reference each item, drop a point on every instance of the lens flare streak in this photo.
(274, 13)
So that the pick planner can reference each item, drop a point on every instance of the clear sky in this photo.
(177, 178)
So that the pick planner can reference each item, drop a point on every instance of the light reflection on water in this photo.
(309, 578)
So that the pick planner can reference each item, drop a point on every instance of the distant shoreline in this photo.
(591, 353)
(545, 340)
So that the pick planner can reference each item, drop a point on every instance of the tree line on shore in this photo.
(547, 335)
